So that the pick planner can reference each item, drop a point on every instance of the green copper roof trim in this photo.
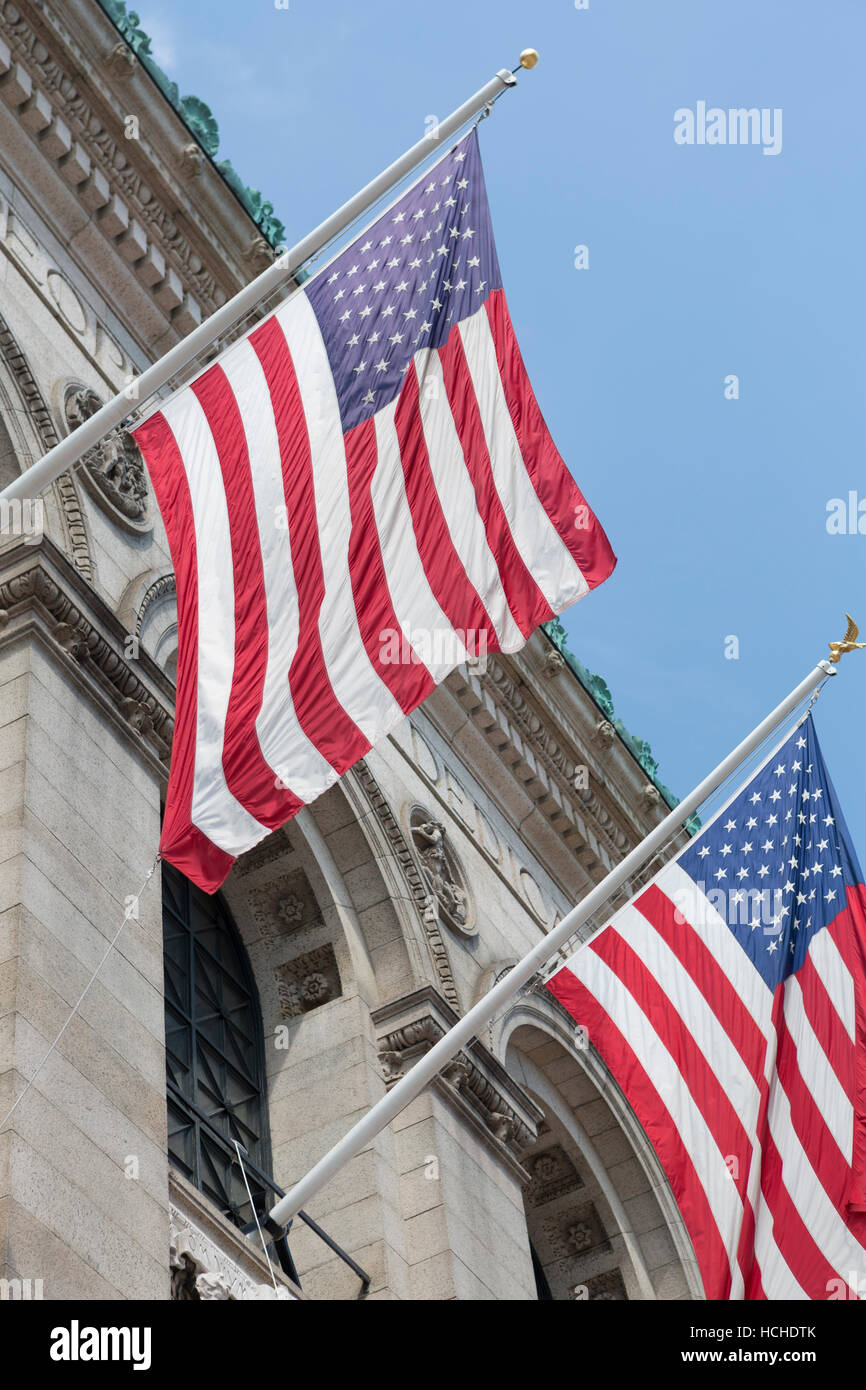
(198, 119)
(598, 689)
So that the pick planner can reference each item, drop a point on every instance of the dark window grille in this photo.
(214, 1047)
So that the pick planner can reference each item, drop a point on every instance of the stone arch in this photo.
(600, 1212)
(148, 610)
(44, 436)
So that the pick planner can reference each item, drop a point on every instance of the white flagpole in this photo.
(424, 1070)
(70, 449)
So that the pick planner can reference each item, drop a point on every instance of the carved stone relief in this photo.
(442, 871)
(37, 410)
(575, 1231)
(553, 1175)
(202, 1272)
(415, 880)
(308, 981)
(285, 906)
(112, 470)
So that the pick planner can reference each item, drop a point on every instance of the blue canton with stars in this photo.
(781, 855)
(427, 263)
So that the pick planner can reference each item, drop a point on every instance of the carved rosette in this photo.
(442, 871)
(113, 470)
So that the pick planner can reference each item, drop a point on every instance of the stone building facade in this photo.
(341, 947)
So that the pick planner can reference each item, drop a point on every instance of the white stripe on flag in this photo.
(283, 742)
(835, 977)
(414, 602)
(215, 811)
(457, 498)
(553, 566)
(818, 1076)
(672, 977)
(839, 1247)
(714, 932)
(357, 685)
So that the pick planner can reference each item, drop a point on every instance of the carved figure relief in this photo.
(442, 871)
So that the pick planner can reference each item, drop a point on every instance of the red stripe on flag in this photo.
(248, 776)
(701, 965)
(409, 681)
(319, 712)
(443, 567)
(557, 491)
(848, 931)
(827, 1026)
(728, 1008)
(181, 843)
(829, 1164)
(796, 1244)
(658, 1123)
(712, 1100)
(528, 605)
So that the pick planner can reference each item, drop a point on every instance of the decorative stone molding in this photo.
(413, 878)
(605, 734)
(120, 61)
(113, 469)
(161, 588)
(478, 1086)
(554, 756)
(576, 1230)
(553, 1176)
(650, 795)
(110, 168)
(553, 663)
(191, 160)
(39, 587)
(38, 412)
(208, 1264)
(285, 906)
(441, 868)
(258, 254)
(308, 981)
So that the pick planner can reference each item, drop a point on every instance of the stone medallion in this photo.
(113, 470)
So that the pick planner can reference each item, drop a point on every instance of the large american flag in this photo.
(358, 495)
(729, 1002)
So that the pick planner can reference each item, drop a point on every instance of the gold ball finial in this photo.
(529, 58)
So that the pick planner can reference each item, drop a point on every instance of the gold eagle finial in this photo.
(849, 642)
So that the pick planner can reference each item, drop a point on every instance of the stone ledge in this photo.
(42, 595)
(474, 1083)
(211, 1255)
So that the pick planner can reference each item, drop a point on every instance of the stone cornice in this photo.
(474, 1083)
(543, 742)
(188, 254)
(42, 594)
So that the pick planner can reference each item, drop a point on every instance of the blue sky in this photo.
(704, 261)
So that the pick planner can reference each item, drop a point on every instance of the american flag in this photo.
(359, 495)
(729, 1002)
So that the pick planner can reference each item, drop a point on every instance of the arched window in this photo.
(214, 1047)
